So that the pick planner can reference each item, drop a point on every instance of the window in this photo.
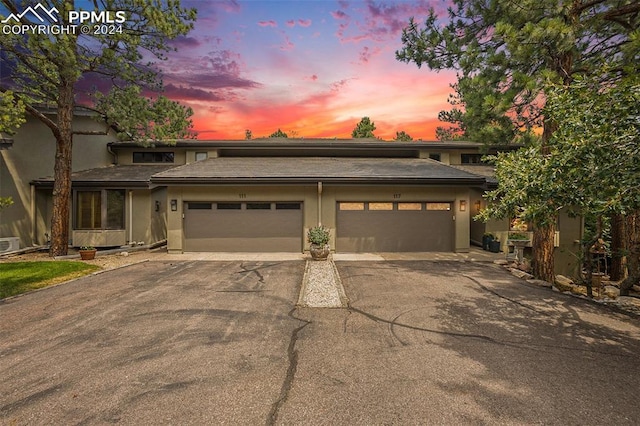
(439, 206)
(100, 209)
(380, 206)
(287, 206)
(409, 206)
(229, 206)
(201, 156)
(351, 206)
(153, 157)
(435, 156)
(471, 158)
(199, 206)
(258, 206)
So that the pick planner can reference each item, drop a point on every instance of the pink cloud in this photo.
(304, 22)
(291, 23)
(270, 23)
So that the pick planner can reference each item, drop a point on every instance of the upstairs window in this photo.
(153, 157)
(471, 158)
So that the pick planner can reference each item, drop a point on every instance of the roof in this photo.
(120, 176)
(311, 169)
(487, 171)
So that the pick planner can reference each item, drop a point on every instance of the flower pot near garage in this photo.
(494, 246)
(319, 252)
(87, 253)
(318, 238)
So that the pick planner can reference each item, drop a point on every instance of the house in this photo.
(264, 194)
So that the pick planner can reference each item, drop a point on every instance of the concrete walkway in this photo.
(474, 255)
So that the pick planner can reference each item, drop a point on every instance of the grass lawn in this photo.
(21, 277)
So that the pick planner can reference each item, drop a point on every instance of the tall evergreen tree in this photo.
(45, 68)
(505, 53)
(364, 129)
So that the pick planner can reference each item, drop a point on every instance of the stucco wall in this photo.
(31, 157)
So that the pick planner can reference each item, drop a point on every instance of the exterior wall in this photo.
(31, 157)
(158, 219)
(190, 156)
(567, 255)
(331, 194)
(476, 227)
(140, 215)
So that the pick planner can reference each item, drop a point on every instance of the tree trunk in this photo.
(543, 262)
(618, 247)
(633, 253)
(62, 173)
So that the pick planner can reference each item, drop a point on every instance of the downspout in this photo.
(130, 217)
(115, 155)
(32, 213)
(319, 203)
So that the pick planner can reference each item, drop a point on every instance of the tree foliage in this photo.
(278, 134)
(51, 68)
(11, 112)
(364, 129)
(403, 136)
(505, 54)
(5, 202)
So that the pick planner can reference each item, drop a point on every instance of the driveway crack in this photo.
(287, 384)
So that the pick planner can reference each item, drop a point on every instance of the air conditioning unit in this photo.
(9, 244)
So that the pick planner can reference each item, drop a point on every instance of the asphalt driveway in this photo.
(222, 343)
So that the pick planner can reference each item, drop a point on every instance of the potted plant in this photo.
(486, 239)
(318, 238)
(494, 246)
(87, 252)
(519, 240)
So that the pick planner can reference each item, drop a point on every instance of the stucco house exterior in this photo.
(259, 195)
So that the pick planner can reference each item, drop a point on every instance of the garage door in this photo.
(394, 227)
(248, 226)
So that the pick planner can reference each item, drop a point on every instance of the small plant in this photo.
(318, 235)
(84, 248)
(518, 236)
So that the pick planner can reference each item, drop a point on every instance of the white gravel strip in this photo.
(321, 286)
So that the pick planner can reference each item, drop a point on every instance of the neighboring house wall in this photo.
(31, 157)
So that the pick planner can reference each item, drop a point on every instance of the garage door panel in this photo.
(395, 231)
(252, 230)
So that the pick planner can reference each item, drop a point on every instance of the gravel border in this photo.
(321, 286)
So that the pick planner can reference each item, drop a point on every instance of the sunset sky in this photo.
(310, 68)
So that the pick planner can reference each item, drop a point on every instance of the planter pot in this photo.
(486, 239)
(494, 246)
(319, 252)
(87, 254)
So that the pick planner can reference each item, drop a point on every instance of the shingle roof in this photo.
(310, 169)
(121, 175)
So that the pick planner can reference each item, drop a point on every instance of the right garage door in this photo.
(394, 227)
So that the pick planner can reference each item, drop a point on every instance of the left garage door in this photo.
(247, 226)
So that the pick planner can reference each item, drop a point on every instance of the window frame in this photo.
(157, 157)
(104, 209)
